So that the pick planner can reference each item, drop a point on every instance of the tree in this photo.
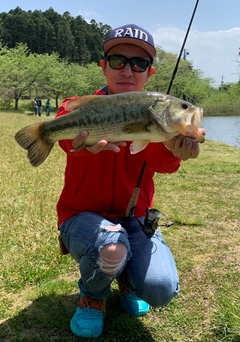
(65, 40)
(44, 37)
(81, 53)
(188, 83)
(19, 70)
(59, 79)
(65, 80)
(95, 77)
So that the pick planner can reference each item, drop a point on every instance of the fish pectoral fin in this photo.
(190, 130)
(137, 127)
(138, 145)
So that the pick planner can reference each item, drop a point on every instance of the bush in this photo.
(222, 103)
(5, 104)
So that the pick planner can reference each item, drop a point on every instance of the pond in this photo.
(224, 129)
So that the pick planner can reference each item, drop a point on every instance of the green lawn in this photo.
(38, 287)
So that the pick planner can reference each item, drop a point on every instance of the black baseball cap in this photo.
(131, 34)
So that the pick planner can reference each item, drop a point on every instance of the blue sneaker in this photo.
(134, 305)
(89, 317)
(131, 303)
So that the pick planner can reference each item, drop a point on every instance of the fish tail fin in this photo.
(37, 145)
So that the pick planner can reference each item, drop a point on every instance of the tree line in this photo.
(74, 39)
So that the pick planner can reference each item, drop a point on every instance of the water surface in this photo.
(224, 129)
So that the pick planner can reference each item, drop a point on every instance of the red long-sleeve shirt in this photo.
(103, 183)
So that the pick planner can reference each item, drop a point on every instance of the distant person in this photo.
(35, 106)
(48, 107)
(39, 104)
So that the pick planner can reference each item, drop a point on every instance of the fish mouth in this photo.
(190, 127)
(192, 131)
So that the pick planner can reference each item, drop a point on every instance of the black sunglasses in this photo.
(137, 64)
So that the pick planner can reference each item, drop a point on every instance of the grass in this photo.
(38, 287)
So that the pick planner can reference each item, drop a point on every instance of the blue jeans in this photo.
(39, 110)
(149, 269)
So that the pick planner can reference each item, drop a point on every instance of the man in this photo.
(48, 107)
(39, 106)
(99, 181)
(35, 106)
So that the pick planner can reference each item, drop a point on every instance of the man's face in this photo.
(125, 80)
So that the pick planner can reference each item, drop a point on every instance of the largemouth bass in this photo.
(140, 117)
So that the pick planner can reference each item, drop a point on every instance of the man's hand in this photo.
(184, 147)
(100, 146)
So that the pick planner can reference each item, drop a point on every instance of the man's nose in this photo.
(127, 70)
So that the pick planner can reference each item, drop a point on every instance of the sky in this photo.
(213, 42)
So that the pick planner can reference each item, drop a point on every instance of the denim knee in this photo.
(86, 234)
(162, 292)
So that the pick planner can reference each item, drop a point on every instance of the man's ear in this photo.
(102, 63)
(151, 71)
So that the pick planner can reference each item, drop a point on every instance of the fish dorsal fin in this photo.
(138, 145)
(75, 103)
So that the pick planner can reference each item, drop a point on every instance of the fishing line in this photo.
(133, 200)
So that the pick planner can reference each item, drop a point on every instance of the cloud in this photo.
(214, 52)
(88, 15)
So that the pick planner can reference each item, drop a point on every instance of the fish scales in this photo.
(104, 115)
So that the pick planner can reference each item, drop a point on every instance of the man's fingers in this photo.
(104, 145)
(100, 146)
(79, 139)
(189, 148)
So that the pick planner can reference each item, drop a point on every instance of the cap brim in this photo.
(144, 45)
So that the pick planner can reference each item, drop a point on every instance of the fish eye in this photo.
(184, 105)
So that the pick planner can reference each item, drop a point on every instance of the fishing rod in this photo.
(133, 200)
(181, 51)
